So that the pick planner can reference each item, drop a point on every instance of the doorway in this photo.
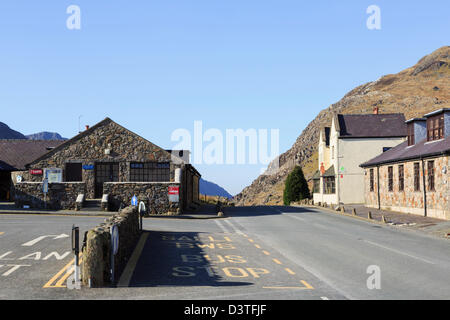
(105, 172)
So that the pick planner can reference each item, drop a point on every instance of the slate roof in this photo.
(371, 125)
(15, 154)
(403, 152)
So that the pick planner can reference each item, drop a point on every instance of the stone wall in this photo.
(96, 265)
(59, 196)
(153, 194)
(409, 200)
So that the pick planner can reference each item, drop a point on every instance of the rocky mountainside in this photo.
(44, 135)
(7, 133)
(414, 91)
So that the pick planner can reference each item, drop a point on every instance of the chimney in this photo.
(375, 110)
(87, 127)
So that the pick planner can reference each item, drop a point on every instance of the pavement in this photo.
(413, 222)
(266, 253)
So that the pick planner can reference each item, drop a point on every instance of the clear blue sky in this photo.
(155, 66)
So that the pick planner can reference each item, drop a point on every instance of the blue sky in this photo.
(156, 66)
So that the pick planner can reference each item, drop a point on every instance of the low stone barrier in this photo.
(96, 266)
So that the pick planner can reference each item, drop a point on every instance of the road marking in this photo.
(306, 286)
(33, 242)
(399, 252)
(289, 271)
(276, 261)
(258, 246)
(324, 298)
(131, 265)
(1, 233)
(66, 268)
(234, 227)
(251, 240)
(267, 253)
(221, 226)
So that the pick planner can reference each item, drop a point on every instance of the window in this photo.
(410, 133)
(316, 188)
(149, 171)
(435, 127)
(329, 185)
(416, 176)
(401, 179)
(371, 180)
(390, 179)
(430, 175)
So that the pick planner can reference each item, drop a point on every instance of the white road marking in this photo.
(233, 227)
(399, 252)
(221, 226)
(33, 242)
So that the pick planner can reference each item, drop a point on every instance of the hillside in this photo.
(7, 133)
(44, 135)
(414, 91)
(211, 189)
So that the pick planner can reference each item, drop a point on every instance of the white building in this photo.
(351, 140)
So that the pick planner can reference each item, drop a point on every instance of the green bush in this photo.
(296, 187)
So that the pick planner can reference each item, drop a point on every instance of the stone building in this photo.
(350, 140)
(14, 155)
(414, 177)
(106, 165)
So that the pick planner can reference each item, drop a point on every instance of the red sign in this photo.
(36, 171)
(174, 190)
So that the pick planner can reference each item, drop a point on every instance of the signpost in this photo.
(114, 248)
(76, 251)
(45, 191)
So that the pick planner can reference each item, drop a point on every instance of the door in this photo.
(74, 172)
(105, 172)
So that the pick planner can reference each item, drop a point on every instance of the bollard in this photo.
(369, 215)
(354, 211)
(383, 219)
(342, 209)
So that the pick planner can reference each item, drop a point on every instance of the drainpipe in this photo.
(424, 190)
(378, 187)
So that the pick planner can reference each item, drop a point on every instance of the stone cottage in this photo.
(106, 165)
(350, 140)
(414, 176)
(14, 155)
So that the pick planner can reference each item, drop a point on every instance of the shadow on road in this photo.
(250, 211)
(179, 259)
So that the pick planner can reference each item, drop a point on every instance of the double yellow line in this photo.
(59, 279)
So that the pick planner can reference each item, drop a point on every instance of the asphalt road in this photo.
(262, 253)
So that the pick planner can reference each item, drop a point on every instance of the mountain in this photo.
(44, 135)
(212, 189)
(415, 91)
(8, 133)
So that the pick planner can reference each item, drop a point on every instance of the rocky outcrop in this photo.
(414, 91)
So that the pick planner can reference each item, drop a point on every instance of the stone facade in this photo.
(409, 200)
(59, 196)
(153, 194)
(107, 144)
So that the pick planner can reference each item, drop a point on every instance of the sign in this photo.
(174, 193)
(19, 179)
(134, 201)
(36, 171)
(88, 167)
(53, 174)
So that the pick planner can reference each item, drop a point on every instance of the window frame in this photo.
(151, 171)
(371, 180)
(416, 176)
(329, 185)
(390, 178)
(431, 175)
(401, 178)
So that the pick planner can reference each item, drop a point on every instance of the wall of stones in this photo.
(96, 265)
(409, 200)
(153, 194)
(59, 196)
